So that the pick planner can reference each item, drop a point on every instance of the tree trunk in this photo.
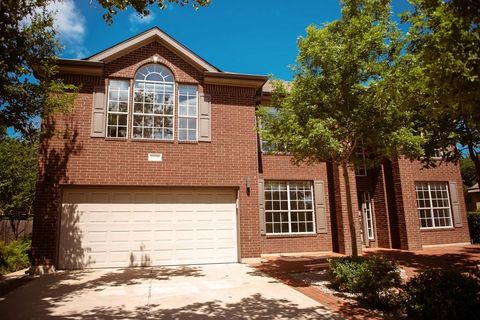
(476, 161)
(351, 222)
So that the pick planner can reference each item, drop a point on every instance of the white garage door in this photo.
(147, 227)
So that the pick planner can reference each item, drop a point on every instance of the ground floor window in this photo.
(289, 207)
(433, 205)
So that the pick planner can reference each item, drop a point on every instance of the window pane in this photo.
(123, 107)
(119, 84)
(183, 110)
(168, 122)
(147, 133)
(192, 123)
(168, 134)
(122, 132)
(309, 227)
(112, 106)
(182, 134)
(122, 120)
(192, 135)
(183, 100)
(137, 132)
(123, 95)
(182, 123)
(112, 131)
(158, 133)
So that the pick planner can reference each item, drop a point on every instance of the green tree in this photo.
(141, 6)
(17, 180)
(339, 100)
(439, 76)
(28, 50)
(467, 168)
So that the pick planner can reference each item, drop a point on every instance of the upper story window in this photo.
(272, 147)
(117, 108)
(187, 112)
(153, 103)
(360, 164)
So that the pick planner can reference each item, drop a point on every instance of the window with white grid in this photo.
(360, 165)
(187, 112)
(153, 103)
(117, 108)
(433, 204)
(289, 207)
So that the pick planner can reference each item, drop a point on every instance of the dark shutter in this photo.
(98, 112)
(457, 216)
(261, 205)
(205, 118)
(320, 206)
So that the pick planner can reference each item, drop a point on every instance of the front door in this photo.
(366, 214)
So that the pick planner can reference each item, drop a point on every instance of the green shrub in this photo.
(474, 226)
(443, 294)
(372, 277)
(14, 256)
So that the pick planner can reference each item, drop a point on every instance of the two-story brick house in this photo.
(160, 163)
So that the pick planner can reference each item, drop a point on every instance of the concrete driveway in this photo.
(227, 291)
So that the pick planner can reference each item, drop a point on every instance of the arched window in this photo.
(153, 103)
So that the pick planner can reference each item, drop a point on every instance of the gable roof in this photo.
(151, 35)
(94, 65)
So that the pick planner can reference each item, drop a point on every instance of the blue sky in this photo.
(249, 36)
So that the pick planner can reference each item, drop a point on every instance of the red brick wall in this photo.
(408, 174)
(72, 157)
(280, 167)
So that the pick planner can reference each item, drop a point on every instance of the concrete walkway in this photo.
(228, 291)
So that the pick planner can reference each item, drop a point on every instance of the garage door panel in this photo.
(132, 227)
(98, 197)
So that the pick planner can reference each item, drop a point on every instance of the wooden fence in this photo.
(6, 234)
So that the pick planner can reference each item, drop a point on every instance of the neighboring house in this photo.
(159, 163)
(472, 198)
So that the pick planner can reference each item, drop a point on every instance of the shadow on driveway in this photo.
(227, 292)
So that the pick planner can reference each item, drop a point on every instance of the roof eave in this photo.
(82, 67)
(235, 79)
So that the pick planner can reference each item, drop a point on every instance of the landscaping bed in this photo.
(14, 256)
(388, 284)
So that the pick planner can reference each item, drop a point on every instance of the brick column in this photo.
(380, 210)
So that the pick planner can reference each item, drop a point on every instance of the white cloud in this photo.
(136, 18)
(70, 24)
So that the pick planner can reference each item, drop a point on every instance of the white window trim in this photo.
(290, 211)
(113, 112)
(154, 114)
(431, 208)
(179, 116)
